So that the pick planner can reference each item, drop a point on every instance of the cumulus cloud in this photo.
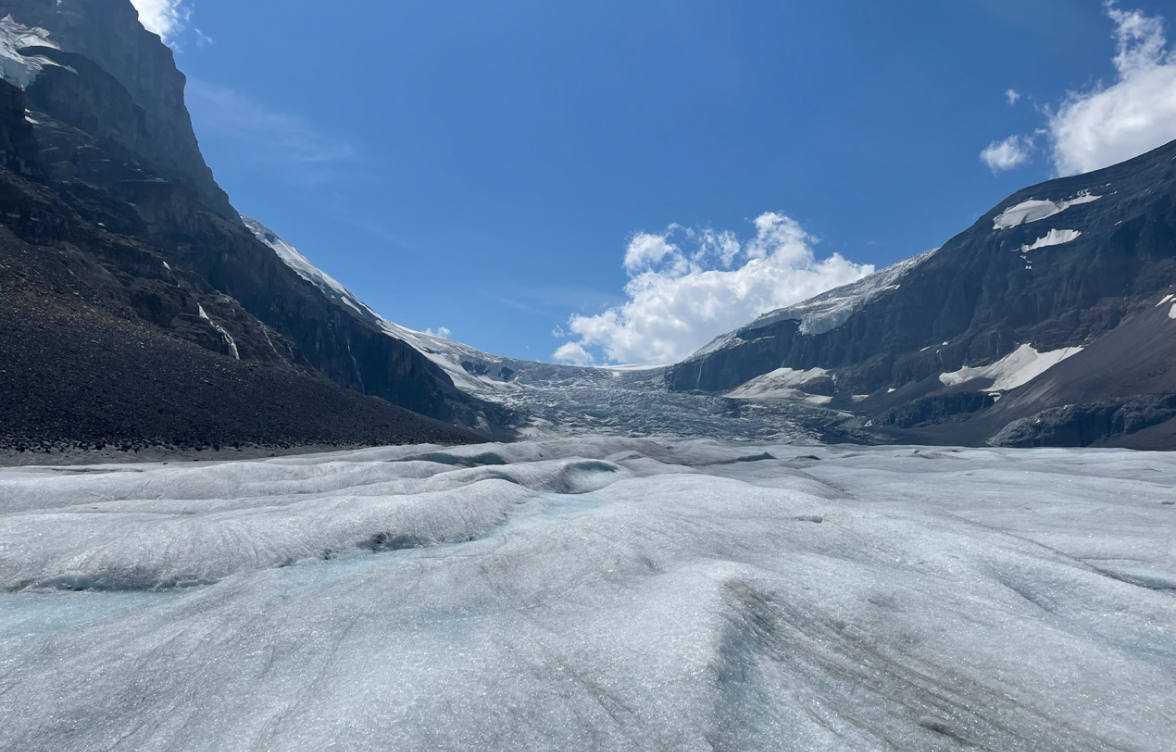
(163, 17)
(1133, 114)
(1012, 96)
(1112, 121)
(646, 250)
(687, 286)
(441, 331)
(573, 354)
(1014, 151)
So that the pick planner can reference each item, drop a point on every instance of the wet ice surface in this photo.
(594, 594)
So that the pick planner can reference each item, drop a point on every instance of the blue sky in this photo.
(498, 169)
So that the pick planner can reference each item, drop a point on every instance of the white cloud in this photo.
(573, 354)
(1134, 114)
(1111, 122)
(163, 17)
(646, 250)
(441, 331)
(1014, 151)
(1013, 96)
(680, 301)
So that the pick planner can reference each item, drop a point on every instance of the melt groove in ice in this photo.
(599, 593)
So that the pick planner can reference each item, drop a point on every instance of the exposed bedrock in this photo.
(1065, 264)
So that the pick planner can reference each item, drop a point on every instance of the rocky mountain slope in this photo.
(115, 240)
(1049, 322)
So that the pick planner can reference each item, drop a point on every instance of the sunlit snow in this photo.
(593, 594)
(1036, 210)
(783, 383)
(1016, 369)
(15, 68)
(228, 338)
(1051, 238)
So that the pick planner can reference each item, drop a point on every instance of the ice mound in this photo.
(134, 536)
(596, 594)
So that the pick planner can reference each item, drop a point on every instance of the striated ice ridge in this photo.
(1015, 369)
(829, 310)
(598, 593)
(1035, 210)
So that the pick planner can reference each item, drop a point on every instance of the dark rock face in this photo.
(108, 33)
(105, 170)
(980, 297)
(106, 340)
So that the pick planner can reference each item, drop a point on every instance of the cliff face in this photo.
(107, 337)
(1059, 267)
(102, 166)
(108, 33)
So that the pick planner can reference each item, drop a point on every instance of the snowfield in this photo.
(598, 593)
(1014, 370)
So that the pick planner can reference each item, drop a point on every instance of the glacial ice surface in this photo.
(594, 593)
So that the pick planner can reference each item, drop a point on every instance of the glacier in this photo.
(21, 70)
(593, 593)
(562, 400)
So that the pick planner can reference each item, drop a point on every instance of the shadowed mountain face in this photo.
(108, 33)
(1049, 322)
(117, 247)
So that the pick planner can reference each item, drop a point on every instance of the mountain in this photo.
(1050, 322)
(138, 307)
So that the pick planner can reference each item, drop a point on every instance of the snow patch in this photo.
(232, 343)
(1172, 313)
(1035, 210)
(1053, 237)
(1014, 370)
(1165, 300)
(782, 384)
